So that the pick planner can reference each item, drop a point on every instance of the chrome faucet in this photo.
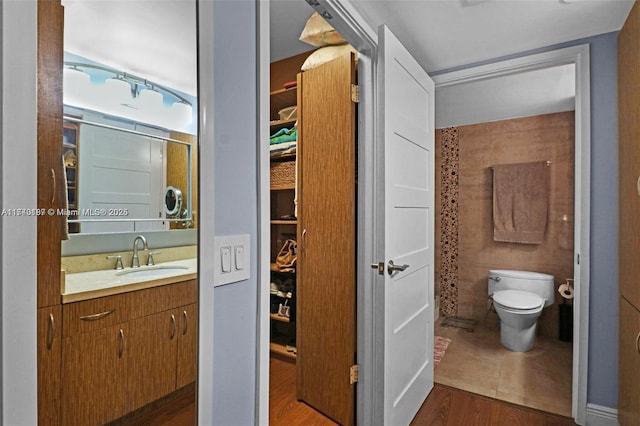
(135, 262)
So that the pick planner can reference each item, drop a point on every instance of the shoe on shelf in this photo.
(291, 346)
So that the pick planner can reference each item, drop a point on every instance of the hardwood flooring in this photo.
(445, 406)
(284, 408)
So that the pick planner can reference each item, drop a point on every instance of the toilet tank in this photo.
(533, 282)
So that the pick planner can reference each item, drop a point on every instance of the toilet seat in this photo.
(517, 300)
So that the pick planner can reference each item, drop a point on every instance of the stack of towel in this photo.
(283, 142)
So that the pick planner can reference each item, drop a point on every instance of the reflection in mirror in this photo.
(116, 178)
(130, 114)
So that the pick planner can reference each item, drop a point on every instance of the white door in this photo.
(120, 170)
(407, 105)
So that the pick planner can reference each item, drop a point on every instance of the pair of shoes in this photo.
(282, 288)
(283, 309)
(291, 346)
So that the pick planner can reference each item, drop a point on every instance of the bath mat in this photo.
(439, 347)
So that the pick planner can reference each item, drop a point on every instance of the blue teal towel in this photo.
(284, 135)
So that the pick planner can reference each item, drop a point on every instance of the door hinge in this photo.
(355, 93)
(353, 374)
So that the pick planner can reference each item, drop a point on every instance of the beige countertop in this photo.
(92, 284)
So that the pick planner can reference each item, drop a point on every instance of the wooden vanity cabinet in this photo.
(94, 373)
(125, 351)
(49, 360)
(629, 353)
(187, 368)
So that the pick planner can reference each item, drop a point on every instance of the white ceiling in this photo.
(156, 38)
(537, 92)
(151, 39)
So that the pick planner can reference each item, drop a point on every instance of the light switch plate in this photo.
(232, 263)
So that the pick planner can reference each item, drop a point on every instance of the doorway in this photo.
(313, 225)
(578, 57)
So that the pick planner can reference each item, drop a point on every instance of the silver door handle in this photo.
(391, 268)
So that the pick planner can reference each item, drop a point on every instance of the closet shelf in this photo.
(277, 317)
(282, 123)
(279, 346)
(284, 222)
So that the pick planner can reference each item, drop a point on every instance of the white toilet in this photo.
(519, 297)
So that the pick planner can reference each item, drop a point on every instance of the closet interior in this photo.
(313, 229)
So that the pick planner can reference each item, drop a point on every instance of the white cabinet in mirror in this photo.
(122, 172)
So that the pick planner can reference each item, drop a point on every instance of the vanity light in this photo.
(183, 112)
(76, 84)
(150, 98)
(117, 91)
(125, 95)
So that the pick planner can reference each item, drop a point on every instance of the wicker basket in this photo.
(283, 173)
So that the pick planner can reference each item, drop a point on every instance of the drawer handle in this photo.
(52, 331)
(638, 343)
(97, 316)
(122, 342)
(55, 187)
(173, 326)
(186, 322)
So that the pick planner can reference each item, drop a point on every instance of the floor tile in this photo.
(477, 362)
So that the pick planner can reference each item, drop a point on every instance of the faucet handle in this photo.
(150, 258)
(118, 261)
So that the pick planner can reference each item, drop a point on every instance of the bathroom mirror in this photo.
(130, 114)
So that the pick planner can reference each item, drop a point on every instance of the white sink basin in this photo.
(153, 271)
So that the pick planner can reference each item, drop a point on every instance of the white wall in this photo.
(19, 157)
(236, 210)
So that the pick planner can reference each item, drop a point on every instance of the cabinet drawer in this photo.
(80, 317)
(162, 298)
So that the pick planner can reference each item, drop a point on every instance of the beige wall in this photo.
(546, 137)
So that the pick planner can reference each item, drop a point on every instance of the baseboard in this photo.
(598, 415)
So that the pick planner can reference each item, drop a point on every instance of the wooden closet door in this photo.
(326, 323)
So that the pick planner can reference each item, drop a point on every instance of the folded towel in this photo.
(284, 146)
(283, 135)
(520, 202)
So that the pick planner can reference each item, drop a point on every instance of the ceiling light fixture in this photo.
(125, 95)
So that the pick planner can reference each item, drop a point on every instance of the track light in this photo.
(125, 95)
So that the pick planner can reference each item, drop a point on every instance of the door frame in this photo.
(370, 309)
(348, 21)
(579, 56)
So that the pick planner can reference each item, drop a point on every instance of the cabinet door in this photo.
(187, 364)
(50, 169)
(629, 368)
(94, 376)
(152, 351)
(629, 157)
(326, 303)
(49, 359)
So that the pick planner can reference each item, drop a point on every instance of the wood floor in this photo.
(445, 406)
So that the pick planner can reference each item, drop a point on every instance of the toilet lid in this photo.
(517, 299)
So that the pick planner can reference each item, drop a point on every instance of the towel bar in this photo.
(548, 163)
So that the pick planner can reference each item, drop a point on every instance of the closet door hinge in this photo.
(355, 93)
(353, 374)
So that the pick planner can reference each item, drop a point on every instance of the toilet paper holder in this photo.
(566, 289)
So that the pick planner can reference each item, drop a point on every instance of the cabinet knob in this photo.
(173, 326)
(638, 342)
(55, 187)
(186, 322)
(51, 331)
(122, 342)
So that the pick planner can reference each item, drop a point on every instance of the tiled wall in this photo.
(465, 250)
